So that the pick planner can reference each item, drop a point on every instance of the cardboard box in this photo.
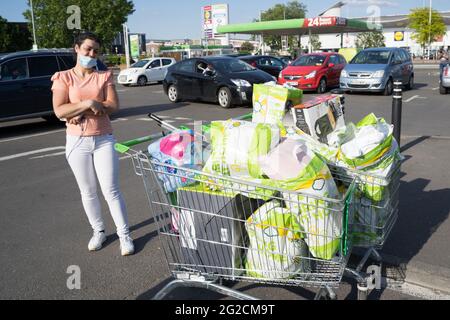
(319, 117)
(212, 230)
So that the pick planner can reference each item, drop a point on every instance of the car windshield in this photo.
(232, 65)
(308, 61)
(139, 64)
(371, 57)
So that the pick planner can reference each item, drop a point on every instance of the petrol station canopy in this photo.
(317, 25)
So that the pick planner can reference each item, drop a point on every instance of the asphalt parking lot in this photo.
(44, 229)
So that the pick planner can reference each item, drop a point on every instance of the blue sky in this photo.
(176, 19)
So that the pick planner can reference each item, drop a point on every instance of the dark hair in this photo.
(84, 36)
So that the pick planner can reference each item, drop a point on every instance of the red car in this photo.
(315, 71)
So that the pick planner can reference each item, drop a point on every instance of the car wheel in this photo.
(142, 81)
(172, 93)
(389, 88)
(224, 97)
(442, 89)
(322, 88)
(410, 84)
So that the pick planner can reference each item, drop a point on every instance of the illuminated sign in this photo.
(324, 22)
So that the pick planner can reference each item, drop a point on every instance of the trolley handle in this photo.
(124, 147)
(161, 122)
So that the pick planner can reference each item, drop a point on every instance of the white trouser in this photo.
(95, 156)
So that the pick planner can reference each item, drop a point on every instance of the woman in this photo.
(85, 98)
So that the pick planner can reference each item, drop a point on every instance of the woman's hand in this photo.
(95, 106)
(76, 120)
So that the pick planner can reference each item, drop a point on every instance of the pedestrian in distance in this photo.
(85, 98)
(443, 57)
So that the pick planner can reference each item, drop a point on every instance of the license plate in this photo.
(292, 83)
(358, 82)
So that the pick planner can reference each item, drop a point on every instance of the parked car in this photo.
(144, 71)
(269, 64)
(314, 72)
(286, 59)
(377, 69)
(228, 81)
(25, 82)
(444, 80)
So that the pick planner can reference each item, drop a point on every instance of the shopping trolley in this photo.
(376, 202)
(215, 228)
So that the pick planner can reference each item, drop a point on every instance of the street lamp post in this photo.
(262, 36)
(126, 44)
(35, 45)
(429, 32)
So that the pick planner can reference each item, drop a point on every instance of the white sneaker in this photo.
(126, 246)
(97, 241)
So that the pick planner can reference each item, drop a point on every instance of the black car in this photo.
(269, 64)
(25, 82)
(225, 80)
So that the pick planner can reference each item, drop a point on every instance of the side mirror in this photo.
(331, 65)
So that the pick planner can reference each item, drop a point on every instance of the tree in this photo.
(247, 47)
(13, 38)
(293, 10)
(419, 20)
(373, 39)
(315, 42)
(103, 17)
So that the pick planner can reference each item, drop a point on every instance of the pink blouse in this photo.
(93, 87)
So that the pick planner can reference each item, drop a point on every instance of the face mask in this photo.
(88, 62)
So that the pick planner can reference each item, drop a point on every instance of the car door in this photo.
(264, 64)
(396, 66)
(203, 83)
(276, 66)
(14, 89)
(405, 66)
(154, 71)
(41, 70)
(166, 63)
(333, 70)
(184, 76)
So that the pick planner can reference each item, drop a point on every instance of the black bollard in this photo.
(397, 99)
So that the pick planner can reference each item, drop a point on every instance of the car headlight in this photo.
(241, 83)
(378, 74)
(311, 75)
(280, 75)
(344, 74)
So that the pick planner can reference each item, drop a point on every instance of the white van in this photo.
(144, 71)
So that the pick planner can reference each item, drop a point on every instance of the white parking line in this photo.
(434, 89)
(47, 133)
(412, 98)
(148, 119)
(29, 153)
(49, 155)
(32, 136)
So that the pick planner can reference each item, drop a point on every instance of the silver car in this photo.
(444, 85)
(376, 70)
